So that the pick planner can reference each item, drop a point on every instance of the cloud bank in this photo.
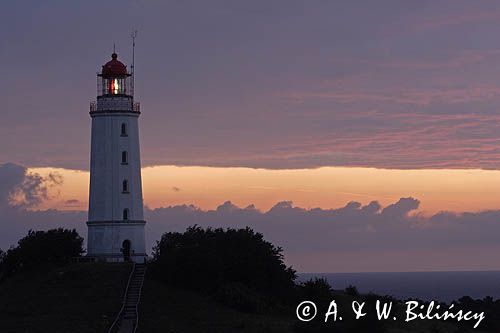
(355, 237)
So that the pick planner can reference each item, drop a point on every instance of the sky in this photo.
(327, 187)
(322, 105)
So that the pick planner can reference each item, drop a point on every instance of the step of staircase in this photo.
(127, 319)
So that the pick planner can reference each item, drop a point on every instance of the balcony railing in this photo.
(136, 107)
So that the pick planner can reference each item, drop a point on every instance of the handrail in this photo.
(124, 300)
(139, 301)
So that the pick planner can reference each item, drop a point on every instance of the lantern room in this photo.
(114, 79)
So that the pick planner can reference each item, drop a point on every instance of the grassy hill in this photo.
(166, 309)
(86, 297)
(78, 298)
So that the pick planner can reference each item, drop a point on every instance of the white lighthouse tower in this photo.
(115, 218)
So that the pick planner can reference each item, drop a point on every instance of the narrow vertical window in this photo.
(125, 214)
(125, 186)
(124, 129)
(124, 157)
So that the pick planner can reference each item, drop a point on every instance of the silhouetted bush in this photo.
(317, 290)
(53, 247)
(212, 260)
(352, 291)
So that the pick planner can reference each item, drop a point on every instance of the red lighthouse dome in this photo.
(114, 67)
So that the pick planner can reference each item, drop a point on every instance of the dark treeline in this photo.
(41, 250)
(241, 270)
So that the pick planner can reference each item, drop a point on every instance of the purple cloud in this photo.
(279, 85)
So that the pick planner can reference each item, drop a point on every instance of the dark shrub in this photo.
(352, 291)
(52, 247)
(317, 288)
(209, 259)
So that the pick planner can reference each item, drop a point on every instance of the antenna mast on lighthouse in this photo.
(133, 35)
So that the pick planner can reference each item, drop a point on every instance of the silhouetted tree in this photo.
(38, 248)
(208, 259)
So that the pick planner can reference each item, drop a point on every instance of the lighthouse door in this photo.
(126, 250)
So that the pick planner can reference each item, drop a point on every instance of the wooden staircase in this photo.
(128, 317)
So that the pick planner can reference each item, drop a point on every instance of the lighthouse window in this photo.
(125, 214)
(124, 129)
(125, 186)
(124, 157)
(115, 86)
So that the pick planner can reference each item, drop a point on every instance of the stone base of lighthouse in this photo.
(117, 241)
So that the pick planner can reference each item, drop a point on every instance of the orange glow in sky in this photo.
(328, 187)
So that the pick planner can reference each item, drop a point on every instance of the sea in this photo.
(437, 286)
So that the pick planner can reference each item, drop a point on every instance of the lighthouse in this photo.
(115, 217)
